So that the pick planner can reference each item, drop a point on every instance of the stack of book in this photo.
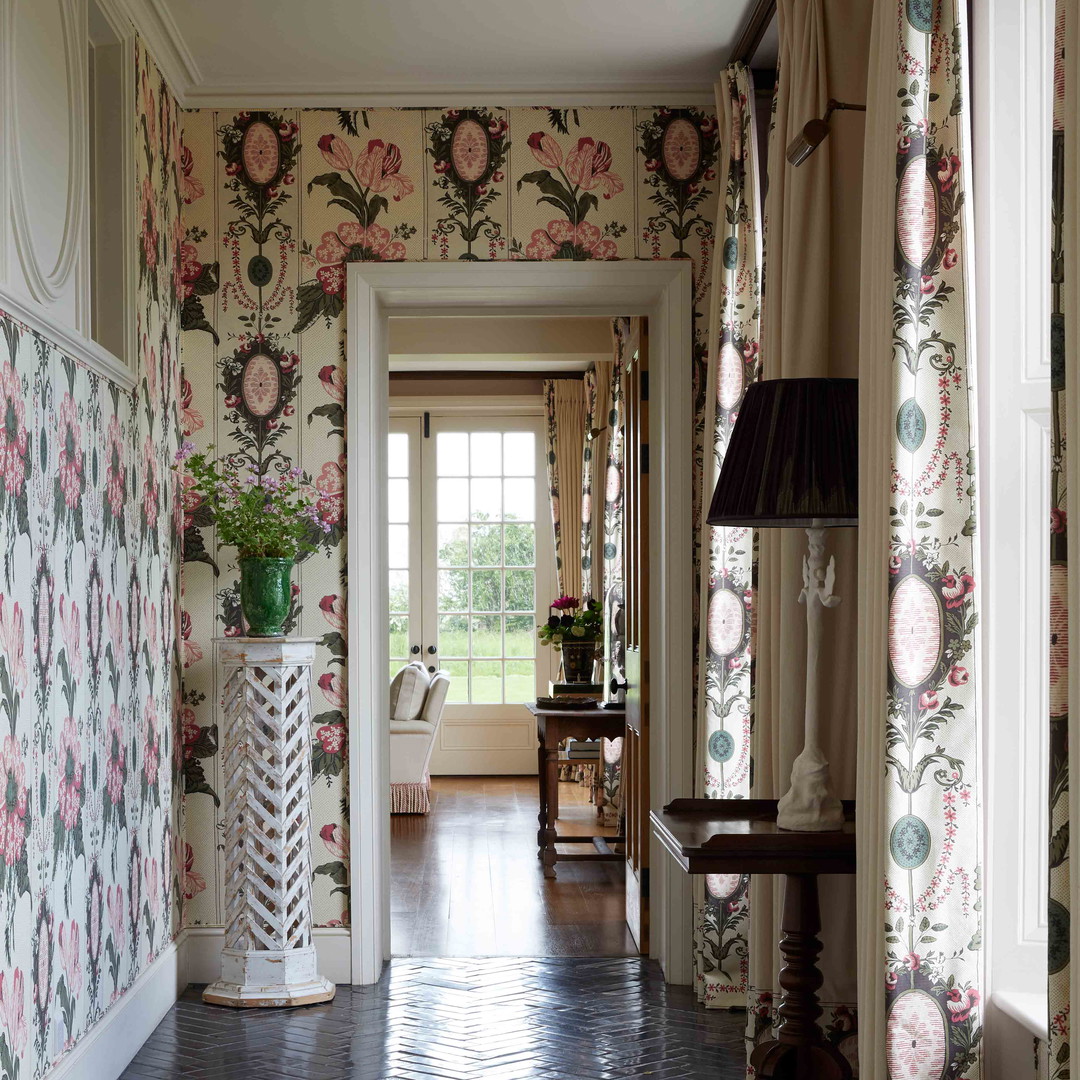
(577, 689)
(582, 750)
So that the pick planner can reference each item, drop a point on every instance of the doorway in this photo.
(659, 291)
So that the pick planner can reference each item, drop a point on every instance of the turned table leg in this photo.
(541, 780)
(550, 772)
(799, 1051)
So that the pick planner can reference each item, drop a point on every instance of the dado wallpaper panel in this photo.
(88, 665)
(276, 203)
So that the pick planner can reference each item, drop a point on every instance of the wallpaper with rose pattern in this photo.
(90, 855)
(275, 204)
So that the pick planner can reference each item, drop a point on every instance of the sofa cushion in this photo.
(408, 691)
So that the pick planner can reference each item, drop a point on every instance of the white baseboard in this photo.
(200, 953)
(104, 1053)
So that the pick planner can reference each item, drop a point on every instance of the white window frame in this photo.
(1013, 67)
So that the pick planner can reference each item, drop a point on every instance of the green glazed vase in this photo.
(265, 594)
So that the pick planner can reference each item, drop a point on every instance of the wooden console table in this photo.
(740, 836)
(552, 727)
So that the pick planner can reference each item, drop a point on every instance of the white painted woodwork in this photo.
(47, 269)
(661, 291)
(269, 958)
(1013, 365)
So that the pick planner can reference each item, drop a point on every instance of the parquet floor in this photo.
(461, 1019)
(466, 880)
(498, 973)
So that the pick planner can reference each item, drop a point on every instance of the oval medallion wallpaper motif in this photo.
(265, 248)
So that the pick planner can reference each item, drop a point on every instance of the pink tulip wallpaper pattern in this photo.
(276, 204)
(89, 845)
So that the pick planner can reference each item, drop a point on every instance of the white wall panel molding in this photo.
(45, 106)
(66, 339)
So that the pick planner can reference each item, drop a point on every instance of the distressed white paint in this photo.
(269, 958)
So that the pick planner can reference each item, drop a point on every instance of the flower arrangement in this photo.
(572, 622)
(261, 516)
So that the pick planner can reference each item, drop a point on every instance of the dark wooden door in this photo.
(636, 591)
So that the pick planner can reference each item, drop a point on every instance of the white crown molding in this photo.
(321, 96)
(68, 340)
(164, 41)
(104, 1052)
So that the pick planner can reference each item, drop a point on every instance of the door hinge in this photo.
(645, 386)
(427, 425)
(645, 459)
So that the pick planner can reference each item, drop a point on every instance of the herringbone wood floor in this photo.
(503, 1018)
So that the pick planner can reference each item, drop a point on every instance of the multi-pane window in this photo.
(486, 558)
(399, 544)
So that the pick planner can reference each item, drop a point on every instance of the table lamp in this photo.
(792, 462)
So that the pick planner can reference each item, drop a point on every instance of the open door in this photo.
(636, 614)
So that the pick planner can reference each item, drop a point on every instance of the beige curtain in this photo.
(810, 324)
(565, 406)
(597, 390)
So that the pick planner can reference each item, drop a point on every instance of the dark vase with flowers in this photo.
(574, 628)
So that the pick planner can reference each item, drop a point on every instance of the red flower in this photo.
(378, 168)
(442, 166)
(1058, 520)
(928, 700)
(947, 169)
(336, 152)
(14, 437)
(927, 286)
(332, 376)
(545, 149)
(958, 675)
(13, 801)
(331, 737)
(589, 166)
(652, 165)
(332, 279)
(959, 1003)
(565, 603)
(955, 592)
(949, 261)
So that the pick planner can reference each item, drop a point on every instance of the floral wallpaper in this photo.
(89, 845)
(276, 203)
(932, 890)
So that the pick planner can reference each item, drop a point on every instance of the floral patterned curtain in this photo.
(624, 340)
(597, 390)
(921, 971)
(564, 406)
(1057, 1064)
(724, 669)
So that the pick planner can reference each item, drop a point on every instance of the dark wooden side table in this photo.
(552, 727)
(740, 836)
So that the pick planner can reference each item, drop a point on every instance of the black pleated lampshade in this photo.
(793, 459)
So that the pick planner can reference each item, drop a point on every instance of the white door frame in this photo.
(662, 292)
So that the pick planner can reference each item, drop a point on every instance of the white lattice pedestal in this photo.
(269, 958)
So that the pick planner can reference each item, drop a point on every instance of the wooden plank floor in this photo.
(466, 880)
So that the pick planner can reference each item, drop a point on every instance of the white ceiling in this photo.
(416, 51)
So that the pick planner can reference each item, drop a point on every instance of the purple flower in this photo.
(295, 472)
(187, 448)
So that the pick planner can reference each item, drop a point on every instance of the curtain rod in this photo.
(756, 24)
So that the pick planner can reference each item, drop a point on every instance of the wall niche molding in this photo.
(45, 257)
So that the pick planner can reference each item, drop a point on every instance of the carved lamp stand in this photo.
(269, 958)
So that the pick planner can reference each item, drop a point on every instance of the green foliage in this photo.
(260, 515)
(570, 621)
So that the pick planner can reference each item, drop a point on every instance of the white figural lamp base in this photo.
(810, 805)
